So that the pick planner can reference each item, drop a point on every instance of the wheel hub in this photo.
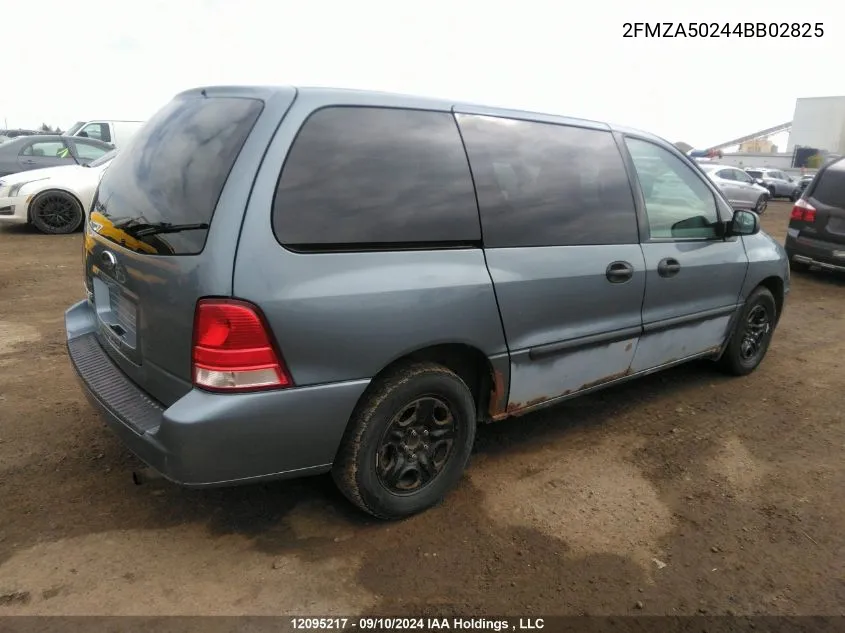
(56, 211)
(757, 329)
(416, 445)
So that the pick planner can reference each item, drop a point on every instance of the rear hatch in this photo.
(163, 232)
(825, 194)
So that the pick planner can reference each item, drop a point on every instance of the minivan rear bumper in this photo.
(207, 439)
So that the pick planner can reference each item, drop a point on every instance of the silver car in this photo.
(739, 188)
(779, 184)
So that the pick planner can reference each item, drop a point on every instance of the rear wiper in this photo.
(156, 228)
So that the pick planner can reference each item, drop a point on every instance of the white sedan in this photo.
(54, 200)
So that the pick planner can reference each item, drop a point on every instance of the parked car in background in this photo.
(779, 184)
(117, 133)
(48, 150)
(802, 182)
(7, 135)
(264, 323)
(55, 199)
(739, 188)
(816, 233)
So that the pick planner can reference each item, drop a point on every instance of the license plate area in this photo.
(117, 314)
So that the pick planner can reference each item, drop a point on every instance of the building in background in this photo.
(758, 146)
(818, 123)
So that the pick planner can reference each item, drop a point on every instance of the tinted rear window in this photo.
(754, 174)
(174, 172)
(830, 187)
(543, 184)
(360, 177)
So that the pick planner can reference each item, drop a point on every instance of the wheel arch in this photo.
(487, 382)
(775, 285)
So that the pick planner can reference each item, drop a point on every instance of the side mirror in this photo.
(743, 223)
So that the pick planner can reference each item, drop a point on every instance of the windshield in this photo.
(102, 160)
(73, 129)
(754, 174)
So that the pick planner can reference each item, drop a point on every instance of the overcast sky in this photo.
(68, 60)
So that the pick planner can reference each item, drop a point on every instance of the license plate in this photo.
(117, 312)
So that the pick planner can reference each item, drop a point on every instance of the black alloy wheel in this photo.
(416, 445)
(752, 334)
(758, 327)
(56, 213)
(408, 441)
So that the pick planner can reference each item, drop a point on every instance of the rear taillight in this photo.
(803, 211)
(233, 350)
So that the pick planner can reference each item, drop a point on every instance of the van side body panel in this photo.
(341, 316)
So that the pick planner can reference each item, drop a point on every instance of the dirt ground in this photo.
(686, 492)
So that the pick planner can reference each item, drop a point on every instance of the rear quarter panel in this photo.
(346, 316)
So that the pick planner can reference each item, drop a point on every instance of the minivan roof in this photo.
(352, 96)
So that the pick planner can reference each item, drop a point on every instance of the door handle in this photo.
(29, 162)
(668, 267)
(619, 272)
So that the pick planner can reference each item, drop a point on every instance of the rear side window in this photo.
(164, 189)
(830, 186)
(542, 184)
(364, 177)
(89, 151)
(44, 148)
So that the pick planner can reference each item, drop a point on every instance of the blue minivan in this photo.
(287, 281)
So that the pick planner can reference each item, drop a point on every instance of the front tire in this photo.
(56, 213)
(752, 335)
(762, 203)
(408, 441)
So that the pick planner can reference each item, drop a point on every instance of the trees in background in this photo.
(46, 129)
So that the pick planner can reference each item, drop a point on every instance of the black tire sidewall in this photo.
(762, 204)
(39, 224)
(443, 385)
(763, 297)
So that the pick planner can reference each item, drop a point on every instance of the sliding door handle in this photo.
(619, 272)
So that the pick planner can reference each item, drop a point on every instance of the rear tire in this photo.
(752, 334)
(56, 213)
(772, 192)
(408, 441)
